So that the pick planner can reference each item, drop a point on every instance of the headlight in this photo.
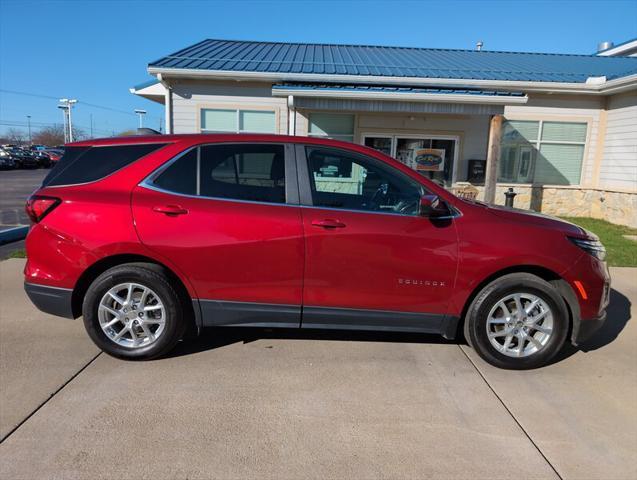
(591, 246)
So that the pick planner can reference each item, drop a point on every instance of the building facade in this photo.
(561, 130)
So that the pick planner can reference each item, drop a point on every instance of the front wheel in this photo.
(131, 311)
(518, 322)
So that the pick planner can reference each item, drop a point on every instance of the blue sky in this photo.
(96, 50)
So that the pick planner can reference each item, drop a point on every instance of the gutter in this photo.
(592, 88)
(417, 97)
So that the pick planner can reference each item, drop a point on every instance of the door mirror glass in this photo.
(432, 206)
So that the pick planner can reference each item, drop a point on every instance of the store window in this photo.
(544, 152)
(237, 121)
(332, 125)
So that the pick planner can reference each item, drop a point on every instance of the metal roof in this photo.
(367, 60)
(392, 89)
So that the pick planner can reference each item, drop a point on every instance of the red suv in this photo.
(146, 237)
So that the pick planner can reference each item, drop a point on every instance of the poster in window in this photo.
(429, 159)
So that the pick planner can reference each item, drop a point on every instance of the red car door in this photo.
(371, 260)
(227, 216)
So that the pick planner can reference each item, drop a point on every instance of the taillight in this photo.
(39, 206)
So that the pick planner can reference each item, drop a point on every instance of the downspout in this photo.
(168, 104)
(291, 116)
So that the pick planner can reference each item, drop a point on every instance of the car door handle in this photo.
(328, 223)
(170, 209)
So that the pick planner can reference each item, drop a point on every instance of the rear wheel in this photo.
(131, 311)
(518, 321)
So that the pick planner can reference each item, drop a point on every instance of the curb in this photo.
(13, 235)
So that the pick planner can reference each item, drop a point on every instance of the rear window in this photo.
(88, 164)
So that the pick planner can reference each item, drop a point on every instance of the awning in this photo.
(396, 93)
(152, 90)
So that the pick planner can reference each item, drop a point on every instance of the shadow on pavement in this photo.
(618, 315)
(212, 338)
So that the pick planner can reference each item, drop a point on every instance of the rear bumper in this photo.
(52, 300)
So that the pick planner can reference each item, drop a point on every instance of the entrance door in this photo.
(433, 157)
(371, 260)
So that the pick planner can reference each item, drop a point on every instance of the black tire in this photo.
(148, 275)
(475, 325)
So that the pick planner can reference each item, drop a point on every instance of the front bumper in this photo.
(52, 300)
(588, 328)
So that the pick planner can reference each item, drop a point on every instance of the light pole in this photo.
(67, 104)
(141, 114)
(64, 108)
(29, 124)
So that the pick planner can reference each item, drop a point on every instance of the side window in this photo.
(349, 181)
(181, 175)
(88, 164)
(241, 172)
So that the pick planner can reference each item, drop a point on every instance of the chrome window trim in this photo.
(148, 181)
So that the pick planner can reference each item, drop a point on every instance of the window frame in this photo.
(538, 142)
(335, 136)
(237, 111)
(305, 183)
(291, 177)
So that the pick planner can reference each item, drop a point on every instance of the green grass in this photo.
(18, 254)
(621, 252)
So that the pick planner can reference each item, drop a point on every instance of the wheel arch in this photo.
(96, 269)
(561, 285)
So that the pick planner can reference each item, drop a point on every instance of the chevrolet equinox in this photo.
(148, 237)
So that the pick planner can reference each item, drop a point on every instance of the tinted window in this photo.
(241, 172)
(345, 180)
(181, 175)
(87, 164)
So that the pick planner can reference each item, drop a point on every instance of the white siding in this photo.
(567, 109)
(618, 169)
(190, 97)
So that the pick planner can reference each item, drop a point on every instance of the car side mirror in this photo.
(432, 207)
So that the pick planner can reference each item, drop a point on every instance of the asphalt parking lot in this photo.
(259, 404)
(15, 188)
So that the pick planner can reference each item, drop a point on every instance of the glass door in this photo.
(382, 144)
(433, 157)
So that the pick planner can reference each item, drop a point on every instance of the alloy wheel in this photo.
(132, 315)
(520, 325)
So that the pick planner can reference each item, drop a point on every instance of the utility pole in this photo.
(67, 106)
(29, 124)
(91, 115)
(140, 114)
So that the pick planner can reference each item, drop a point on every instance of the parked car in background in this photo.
(37, 148)
(6, 161)
(23, 158)
(43, 158)
(54, 154)
(146, 237)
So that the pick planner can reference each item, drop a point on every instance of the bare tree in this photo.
(15, 136)
(54, 135)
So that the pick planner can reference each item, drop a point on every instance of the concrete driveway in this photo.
(258, 404)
